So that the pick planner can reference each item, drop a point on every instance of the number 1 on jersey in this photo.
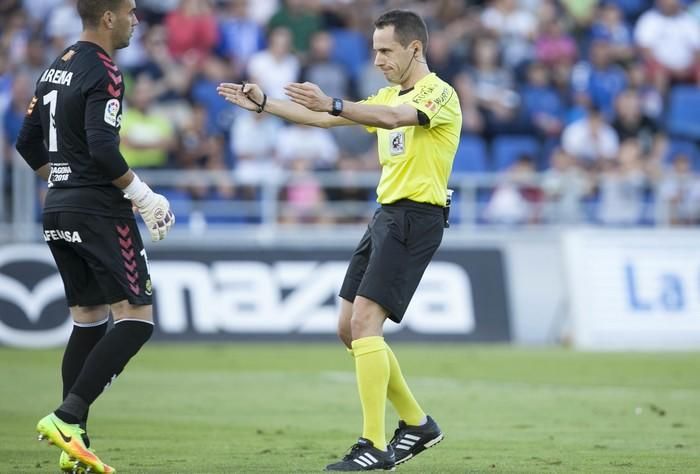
(52, 99)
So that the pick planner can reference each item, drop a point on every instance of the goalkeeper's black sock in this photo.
(104, 363)
(83, 338)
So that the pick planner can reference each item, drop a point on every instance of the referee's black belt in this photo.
(423, 206)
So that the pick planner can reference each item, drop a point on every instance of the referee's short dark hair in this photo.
(408, 26)
(91, 11)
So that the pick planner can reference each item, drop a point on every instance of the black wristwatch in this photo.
(337, 107)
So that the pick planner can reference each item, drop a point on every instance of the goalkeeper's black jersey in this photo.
(78, 100)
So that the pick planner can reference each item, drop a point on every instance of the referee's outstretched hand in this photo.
(243, 95)
(310, 96)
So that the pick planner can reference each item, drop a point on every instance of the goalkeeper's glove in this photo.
(154, 208)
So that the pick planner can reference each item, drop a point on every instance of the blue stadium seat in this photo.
(683, 118)
(350, 49)
(506, 149)
(677, 147)
(471, 156)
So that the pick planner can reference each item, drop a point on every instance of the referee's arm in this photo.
(251, 97)
(311, 97)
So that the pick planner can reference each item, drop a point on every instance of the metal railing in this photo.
(268, 213)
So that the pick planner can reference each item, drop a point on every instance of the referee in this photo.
(417, 122)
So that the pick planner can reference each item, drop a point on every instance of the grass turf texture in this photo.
(293, 408)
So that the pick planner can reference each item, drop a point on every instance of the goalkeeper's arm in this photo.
(154, 208)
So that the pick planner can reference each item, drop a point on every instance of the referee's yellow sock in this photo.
(400, 395)
(372, 370)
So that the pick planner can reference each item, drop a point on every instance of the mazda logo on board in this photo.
(33, 310)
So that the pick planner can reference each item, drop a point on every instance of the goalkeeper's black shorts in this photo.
(392, 256)
(101, 259)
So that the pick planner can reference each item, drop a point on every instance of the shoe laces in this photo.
(397, 431)
(354, 449)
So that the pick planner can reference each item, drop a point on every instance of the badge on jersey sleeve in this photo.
(112, 112)
(397, 143)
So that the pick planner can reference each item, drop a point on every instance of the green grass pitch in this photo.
(279, 408)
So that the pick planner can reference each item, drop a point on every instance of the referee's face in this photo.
(390, 57)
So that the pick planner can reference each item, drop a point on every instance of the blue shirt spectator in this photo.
(239, 36)
(597, 82)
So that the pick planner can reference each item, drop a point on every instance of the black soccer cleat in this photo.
(363, 456)
(409, 441)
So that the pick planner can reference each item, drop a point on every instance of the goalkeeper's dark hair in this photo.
(91, 11)
(408, 26)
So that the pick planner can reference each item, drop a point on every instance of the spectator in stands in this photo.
(192, 31)
(669, 38)
(598, 81)
(311, 144)
(212, 71)
(171, 79)
(581, 11)
(441, 58)
(515, 27)
(494, 88)
(201, 147)
(39, 10)
(147, 137)
(678, 194)
(303, 197)
(36, 60)
(590, 139)
(253, 143)
(320, 69)
(240, 37)
(473, 121)
(565, 185)
(651, 97)
(517, 198)
(153, 12)
(275, 67)
(542, 105)
(63, 26)
(14, 37)
(622, 184)
(553, 46)
(630, 123)
(13, 114)
(301, 18)
(610, 26)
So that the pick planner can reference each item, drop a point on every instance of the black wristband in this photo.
(261, 107)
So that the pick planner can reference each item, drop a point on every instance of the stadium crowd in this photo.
(583, 110)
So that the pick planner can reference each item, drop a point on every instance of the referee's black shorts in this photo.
(393, 254)
(101, 259)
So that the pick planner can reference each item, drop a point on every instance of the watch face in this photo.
(337, 106)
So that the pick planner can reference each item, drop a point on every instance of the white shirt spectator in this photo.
(38, 10)
(273, 75)
(253, 144)
(519, 22)
(63, 23)
(673, 40)
(581, 141)
(315, 145)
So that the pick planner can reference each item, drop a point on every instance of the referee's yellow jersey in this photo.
(417, 160)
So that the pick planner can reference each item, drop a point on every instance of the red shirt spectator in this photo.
(192, 30)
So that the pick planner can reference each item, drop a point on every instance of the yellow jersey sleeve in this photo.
(432, 98)
(380, 98)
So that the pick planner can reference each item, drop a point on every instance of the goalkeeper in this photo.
(70, 137)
